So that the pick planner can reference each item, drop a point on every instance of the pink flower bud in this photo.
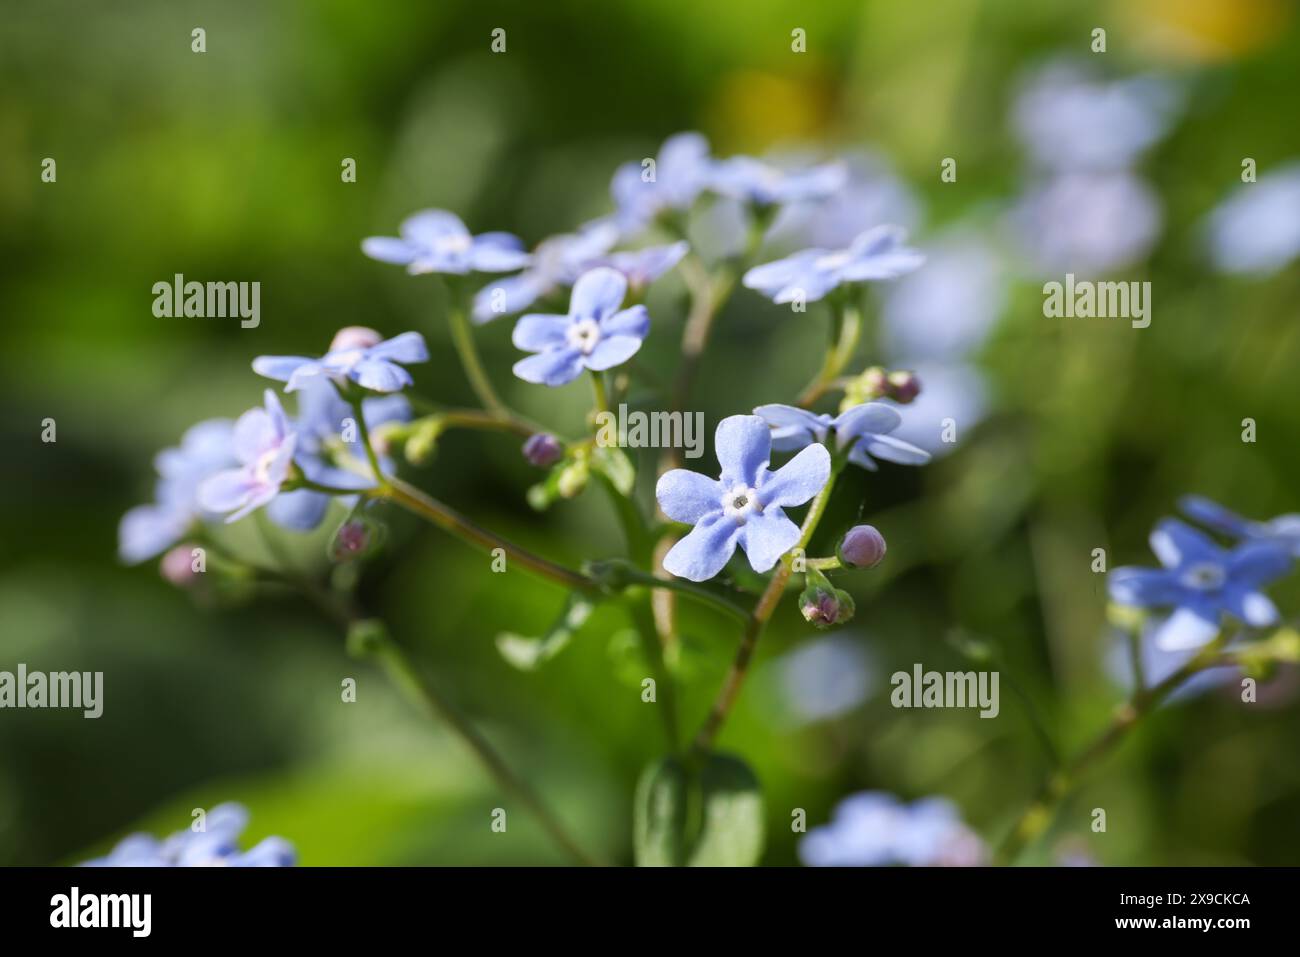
(543, 449)
(862, 547)
(177, 566)
(355, 337)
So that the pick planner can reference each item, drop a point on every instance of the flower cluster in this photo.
(216, 844)
(875, 829)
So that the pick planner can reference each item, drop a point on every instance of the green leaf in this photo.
(528, 654)
(709, 817)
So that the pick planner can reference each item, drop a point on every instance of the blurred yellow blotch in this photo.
(1205, 30)
(751, 109)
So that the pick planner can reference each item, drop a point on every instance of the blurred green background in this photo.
(226, 166)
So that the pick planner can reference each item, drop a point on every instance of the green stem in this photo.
(767, 602)
(364, 431)
(600, 397)
(846, 327)
(449, 520)
(462, 337)
(1058, 785)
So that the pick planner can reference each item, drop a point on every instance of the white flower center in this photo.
(583, 335)
(741, 502)
(833, 260)
(455, 243)
(1205, 576)
(262, 467)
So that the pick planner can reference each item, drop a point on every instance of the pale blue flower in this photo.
(263, 443)
(862, 430)
(434, 240)
(1201, 582)
(644, 266)
(762, 184)
(596, 334)
(1087, 223)
(744, 506)
(1256, 230)
(875, 829)
(376, 367)
(878, 253)
(680, 173)
(216, 845)
(872, 196)
(323, 420)
(148, 530)
(1069, 120)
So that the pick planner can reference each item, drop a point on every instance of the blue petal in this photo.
(598, 293)
(893, 450)
(798, 480)
(407, 348)
(554, 367)
(380, 375)
(497, 252)
(629, 322)
(225, 491)
(767, 535)
(1258, 563)
(687, 496)
(514, 293)
(705, 550)
(148, 530)
(1216, 516)
(280, 368)
(743, 444)
(386, 249)
(254, 434)
(1144, 587)
(432, 225)
(1176, 544)
(1187, 627)
(612, 351)
(301, 510)
(538, 330)
(1250, 606)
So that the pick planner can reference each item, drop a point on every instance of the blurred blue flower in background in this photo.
(680, 173)
(216, 845)
(148, 530)
(1256, 230)
(875, 829)
(763, 184)
(878, 253)
(872, 195)
(744, 506)
(436, 241)
(557, 262)
(1201, 582)
(596, 333)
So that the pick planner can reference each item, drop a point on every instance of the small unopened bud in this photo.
(903, 386)
(543, 449)
(352, 539)
(873, 383)
(825, 606)
(177, 566)
(862, 547)
(572, 480)
(355, 337)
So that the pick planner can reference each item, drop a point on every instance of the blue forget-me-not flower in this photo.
(1283, 530)
(596, 334)
(762, 184)
(356, 355)
(1201, 582)
(744, 506)
(681, 172)
(862, 430)
(875, 829)
(878, 253)
(216, 845)
(263, 443)
(148, 530)
(434, 240)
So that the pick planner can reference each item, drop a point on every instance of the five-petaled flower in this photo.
(596, 334)
(878, 253)
(367, 360)
(679, 175)
(861, 430)
(263, 443)
(434, 240)
(1201, 582)
(744, 506)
